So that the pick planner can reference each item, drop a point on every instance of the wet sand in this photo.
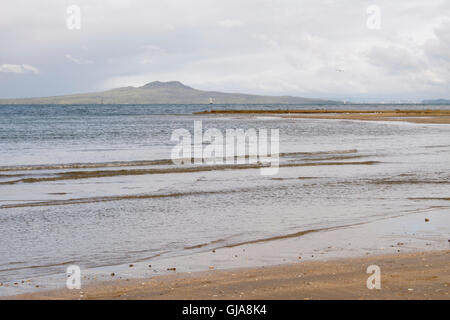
(413, 116)
(418, 275)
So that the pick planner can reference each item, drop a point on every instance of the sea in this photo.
(95, 186)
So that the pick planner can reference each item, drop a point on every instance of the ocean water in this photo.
(94, 185)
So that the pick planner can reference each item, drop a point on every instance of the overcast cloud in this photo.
(312, 48)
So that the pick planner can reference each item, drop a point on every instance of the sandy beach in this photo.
(419, 275)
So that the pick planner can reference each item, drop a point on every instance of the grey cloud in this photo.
(439, 48)
(18, 68)
(395, 59)
(230, 23)
(77, 60)
(261, 46)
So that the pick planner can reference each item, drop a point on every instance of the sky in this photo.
(356, 50)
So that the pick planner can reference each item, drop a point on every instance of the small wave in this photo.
(76, 175)
(201, 245)
(295, 178)
(285, 236)
(106, 199)
(87, 165)
(409, 181)
(437, 146)
(430, 198)
(151, 257)
(39, 266)
(139, 163)
(286, 154)
(334, 157)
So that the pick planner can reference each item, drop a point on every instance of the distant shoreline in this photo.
(413, 116)
(321, 104)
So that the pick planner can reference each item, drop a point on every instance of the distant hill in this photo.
(172, 92)
(436, 101)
